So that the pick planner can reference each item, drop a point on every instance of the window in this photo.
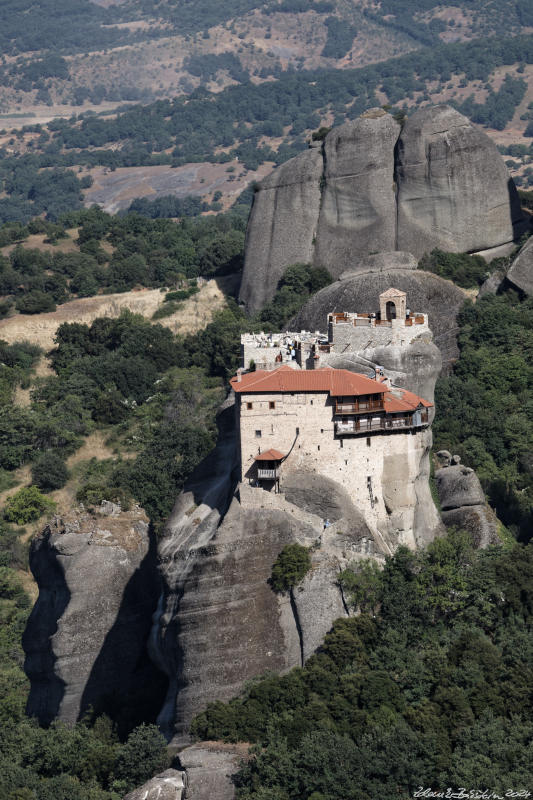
(311, 402)
(249, 406)
(258, 434)
(368, 441)
(297, 431)
(272, 404)
(341, 442)
(319, 447)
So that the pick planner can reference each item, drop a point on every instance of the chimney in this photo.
(239, 375)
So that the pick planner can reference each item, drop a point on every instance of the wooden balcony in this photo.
(359, 406)
(268, 474)
(385, 423)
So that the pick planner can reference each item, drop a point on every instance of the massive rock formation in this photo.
(463, 501)
(454, 190)
(416, 367)
(520, 273)
(358, 203)
(437, 182)
(218, 622)
(85, 641)
(290, 193)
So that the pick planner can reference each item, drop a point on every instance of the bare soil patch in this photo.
(115, 190)
(40, 329)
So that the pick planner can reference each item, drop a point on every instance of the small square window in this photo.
(272, 404)
(368, 441)
(258, 434)
(249, 406)
(311, 402)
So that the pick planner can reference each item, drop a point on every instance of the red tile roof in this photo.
(270, 455)
(337, 382)
(406, 401)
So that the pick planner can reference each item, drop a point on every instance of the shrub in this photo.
(27, 505)
(49, 472)
(290, 567)
(464, 270)
(35, 302)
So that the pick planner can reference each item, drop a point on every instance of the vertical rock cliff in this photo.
(358, 211)
(85, 641)
(454, 190)
(437, 182)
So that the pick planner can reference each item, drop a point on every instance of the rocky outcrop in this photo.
(520, 273)
(219, 623)
(358, 211)
(454, 190)
(209, 767)
(205, 773)
(85, 641)
(283, 223)
(417, 366)
(169, 785)
(463, 501)
(373, 186)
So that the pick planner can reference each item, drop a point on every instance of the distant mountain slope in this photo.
(142, 50)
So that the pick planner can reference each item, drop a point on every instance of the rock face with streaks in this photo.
(283, 223)
(454, 190)
(374, 187)
(520, 273)
(85, 641)
(463, 501)
(358, 211)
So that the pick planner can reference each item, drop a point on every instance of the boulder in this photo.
(209, 767)
(426, 292)
(454, 190)
(358, 211)
(169, 785)
(520, 273)
(458, 486)
(85, 640)
(206, 774)
(282, 226)
(394, 259)
(463, 501)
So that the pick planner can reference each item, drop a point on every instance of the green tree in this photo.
(142, 756)
(49, 472)
(27, 505)
(290, 567)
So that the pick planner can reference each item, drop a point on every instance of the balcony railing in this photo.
(268, 474)
(354, 426)
(358, 407)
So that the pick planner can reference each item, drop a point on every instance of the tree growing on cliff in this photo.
(290, 567)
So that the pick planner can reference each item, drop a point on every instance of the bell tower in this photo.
(393, 305)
